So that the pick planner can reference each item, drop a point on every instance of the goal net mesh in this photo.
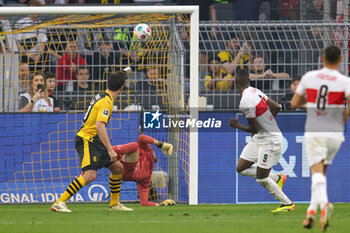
(82, 51)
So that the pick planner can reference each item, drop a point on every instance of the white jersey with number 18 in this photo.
(325, 90)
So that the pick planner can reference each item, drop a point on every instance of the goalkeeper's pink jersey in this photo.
(143, 170)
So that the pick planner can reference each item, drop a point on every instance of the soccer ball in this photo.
(142, 32)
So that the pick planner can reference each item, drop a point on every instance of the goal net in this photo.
(81, 47)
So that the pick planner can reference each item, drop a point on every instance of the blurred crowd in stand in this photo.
(60, 68)
(227, 9)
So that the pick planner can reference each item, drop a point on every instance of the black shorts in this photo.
(92, 153)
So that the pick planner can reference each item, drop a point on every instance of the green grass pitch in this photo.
(180, 218)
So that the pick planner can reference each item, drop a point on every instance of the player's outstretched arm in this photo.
(144, 139)
(166, 148)
(252, 128)
(274, 107)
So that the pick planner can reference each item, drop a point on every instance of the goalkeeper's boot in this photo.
(326, 213)
(284, 208)
(310, 220)
(281, 180)
(60, 207)
(167, 148)
(120, 207)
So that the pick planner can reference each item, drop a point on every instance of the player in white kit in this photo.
(323, 91)
(265, 145)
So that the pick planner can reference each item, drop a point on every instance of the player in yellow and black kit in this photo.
(94, 148)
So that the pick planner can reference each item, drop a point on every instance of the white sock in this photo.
(318, 191)
(313, 207)
(274, 176)
(249, 172)
(273, 188)
(314, 196)
(252, 173)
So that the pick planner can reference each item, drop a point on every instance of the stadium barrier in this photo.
(289, 49)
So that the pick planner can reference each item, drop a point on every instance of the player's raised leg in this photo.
(248, 157)
(268, 156)
(130, 151)
(246, 168)
(263, 179)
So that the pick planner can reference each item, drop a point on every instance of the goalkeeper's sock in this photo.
(126, 148)
(143, 194)
(115, 181)
(252, 173)
(318, 190)
(273, 188)
(72, 189)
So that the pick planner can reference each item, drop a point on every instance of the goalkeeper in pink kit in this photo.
(138, 162)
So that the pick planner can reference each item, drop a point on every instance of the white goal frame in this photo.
(194, 65)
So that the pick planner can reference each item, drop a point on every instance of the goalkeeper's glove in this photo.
(168, 202)
(165, 147)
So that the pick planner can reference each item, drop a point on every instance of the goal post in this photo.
(194, 106)
(193, 11)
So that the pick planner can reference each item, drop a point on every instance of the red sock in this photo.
(126, 148)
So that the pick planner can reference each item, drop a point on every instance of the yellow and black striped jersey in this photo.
(220, 85)
(227, 57)
(100, 109)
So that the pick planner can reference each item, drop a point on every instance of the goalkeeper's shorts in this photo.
(129, 171)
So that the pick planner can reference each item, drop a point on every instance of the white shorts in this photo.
(265, 155)
(321, 148)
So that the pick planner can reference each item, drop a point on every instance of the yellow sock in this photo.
(72, 189)
(115, 181)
